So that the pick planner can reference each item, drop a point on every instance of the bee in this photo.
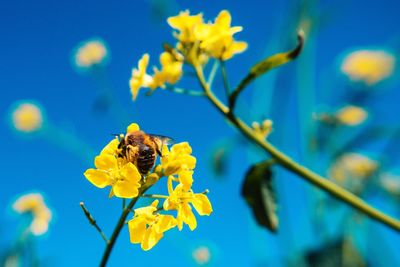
(142, 149)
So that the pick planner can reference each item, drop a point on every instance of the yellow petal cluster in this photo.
(368, 66)
(199, 40)
(177, 159)
(34, 204)
(27, 117)
(147, 227)
(111, 170)
(170, 73)
(90, 53)
(217, 39)
(264, 129)
(181, 200)
(186, 24)
(139, 76)
(351, 115)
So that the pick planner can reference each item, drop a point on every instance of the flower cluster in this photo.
(111, 170)
(197, 41)
(263, 129)
(148, 224)
(34, 204)
(368, 66)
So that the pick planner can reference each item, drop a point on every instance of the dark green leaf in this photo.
(257, 190)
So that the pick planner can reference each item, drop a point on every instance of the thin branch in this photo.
(183, 91)
(92, 221)
(213, 71)
(154, 196)
(225, 79)
(295, 167)
(117, 230)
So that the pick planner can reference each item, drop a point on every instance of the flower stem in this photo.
(184, 91)
(288, 163)
(213, 71)
(117, 230)
(154, 196)
(225, 79)
(93, 222)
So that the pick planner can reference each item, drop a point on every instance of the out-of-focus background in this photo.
(79, 116)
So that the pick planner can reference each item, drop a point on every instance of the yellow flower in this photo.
(186, 25)
(147, 228)
(180, 199)
(171, 71)
(368, 66)
(351, 115)
(34, 204)
(217, 39)
(139, 77)
(123, 177)
(352, 166)
(90, 53)
(178, 159)
(27, 117)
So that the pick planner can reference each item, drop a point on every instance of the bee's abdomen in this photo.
(146, 159)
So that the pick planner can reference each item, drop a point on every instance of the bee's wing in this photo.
(165, 140)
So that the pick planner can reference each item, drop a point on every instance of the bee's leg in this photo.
(158, 151)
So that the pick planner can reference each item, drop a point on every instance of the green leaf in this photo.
(266, 65)
(277, 59)
(257, 190)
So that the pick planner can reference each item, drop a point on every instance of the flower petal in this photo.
(137, 229)
(133, 127)
(98, 177)
(150, 239)
(202, 204)
(105, 162)
(186, 213)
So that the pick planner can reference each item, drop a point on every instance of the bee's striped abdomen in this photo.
(146, 159)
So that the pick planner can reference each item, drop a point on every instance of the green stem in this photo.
(154, 196)
(93, 222)
(295, 167)
(184, 91)
(213, 71)
(117, 230)
(225, 79)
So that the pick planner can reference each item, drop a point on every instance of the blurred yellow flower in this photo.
(34, 204)
(185, 24)
(368, 66)
(171, 70)
(147, 226)
(139, 77)
(27, 117)
(352, 166)
(351, 115)
(90, 53)
(179, 200)
(201, 255)
(178, 159)
(217, 39)
(264, 129)
(122, 176)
